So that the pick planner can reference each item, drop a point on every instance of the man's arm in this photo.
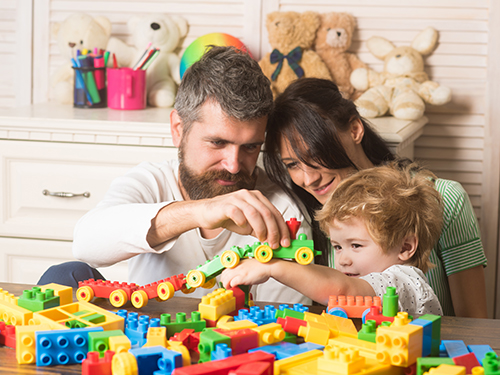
(468, 293)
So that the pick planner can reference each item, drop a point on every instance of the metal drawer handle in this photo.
(65, 195)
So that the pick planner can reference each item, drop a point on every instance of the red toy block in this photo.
(376, 314)
(293, 226)
(468, 361)
(93, 365)
(224, 366)
(188, 337)
(410, 370)
(8, 335)
(291, 325)
(240, 298)
(256, 368)
(177, 282)
(242, 340)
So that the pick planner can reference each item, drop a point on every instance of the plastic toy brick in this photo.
(161, 290)
(99, 341)
(256, 368)
(62, 347)
(8, 335)
(156, 336)
(169, 361)
(436, 332)
(469, 361)
(390, 305)
(399, 345)
(282, 350)
(291, 325)
(11, 313)
(225, 366)
(137, 326)
(25, 342)
(237, 324)
(119, 344)
(269, 333)
(284, 365)
(455, 348)
(36, 300)
(216, 304)
(368, 331)
(491, 364)
(446, 370)
(117, 292)
(148, 359)
(290, 337)
(366, 349)
(258, 315)
(427, 338)
(480, 351)
(222, 351)
(209, 338)
(58, 316)
(124, 363)
(7, 297)
(176, 346)
(375, 314)
(341, 360)
(351, 306)
(424, 364)
(188, 338)
(241, 340)
(93, 365)
(296, 311)
(64, 292)
(315, 332)
(181, 323)
(401, 319)
(344, 327)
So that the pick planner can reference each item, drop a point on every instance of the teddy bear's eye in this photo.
(277, 24)
(81, 41)
(328, 29)
(398, 56)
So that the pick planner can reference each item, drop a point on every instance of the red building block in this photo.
(93, 365)
(468, 361)
(291, 325)
(376, 314)
(256, 368)
(8, 335)
(354, 306)
(242, 340)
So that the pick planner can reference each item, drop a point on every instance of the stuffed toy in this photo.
(78, 31)
(164, 32)
(291, 36)
(333, 39)
(403, 86)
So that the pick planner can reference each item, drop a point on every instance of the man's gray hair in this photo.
(229, 77)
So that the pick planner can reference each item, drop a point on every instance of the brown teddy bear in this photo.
(291, 36)
(333, 39)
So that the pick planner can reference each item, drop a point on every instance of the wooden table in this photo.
(471, 331)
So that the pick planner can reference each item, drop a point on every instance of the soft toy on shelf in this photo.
(333, 39)
(165, 33)
(403, 86)
(291, 36)
(78, 31)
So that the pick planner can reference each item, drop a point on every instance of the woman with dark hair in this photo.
(315, 138)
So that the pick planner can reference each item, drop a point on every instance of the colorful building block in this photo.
(341, 360)
(315, 332)
(446, 370)
(119, 344)
(479, 351)
(469, 361)
(257, 315)
(36, 300)
(269, 333)
(209, 338)
(222, 351)
(11, 313)
(25, 342)
(399, 345)
(8, 335)
(390, 305)
(236, 325)
(93, 365)
(216, 304)
(291, 325)
(62, 347)
(424, 364)
(65, 293)
(241, 340)
(455, 348)
(491, 364)
(181, 323)
(436, 332)
(99, 341)
(366, 349)
(148, 359)
(136, 328)
(427, 335)
(284, 365)
(161, 290)
(156, 336)
(169, 361)
(117, 292)
(339, 326)
(351, 306)
(282, 350)
(368, 331)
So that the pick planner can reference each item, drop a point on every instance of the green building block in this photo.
(99, 341)
(368, 331)
(75, 324)
(36, 300)
(491, 364)
(290, 337)
(424, 364)
(289, 312)
(390, 305)
(208, 339)
(95, 318)
(436, 332)
(181, 323)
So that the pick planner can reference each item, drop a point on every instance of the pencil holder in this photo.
(127, 88)
(90, 88)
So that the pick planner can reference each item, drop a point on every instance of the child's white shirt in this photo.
(416, 297)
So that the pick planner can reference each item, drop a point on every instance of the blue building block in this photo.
(282, 350)
(148, 358)
(169, 362)
(427, 335)
(222, 351)
(136, 327)
(62, 347)
(480, 351)
(258, 316)
(455, 348)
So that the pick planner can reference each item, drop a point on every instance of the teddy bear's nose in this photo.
(71, 44)
(339, 33)
(155, 26)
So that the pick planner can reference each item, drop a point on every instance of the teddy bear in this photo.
(333, 39)
(78, 31)
(291, 36)
(164, 32)
(403, 87)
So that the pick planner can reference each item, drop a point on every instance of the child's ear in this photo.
(408, 248)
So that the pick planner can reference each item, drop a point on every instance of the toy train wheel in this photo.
(139, 299)
(195, 278)
(229, 259)
(165, 290)
(209, 284)
(338, 311)
(186, 290)
(118, 298)
(263, 253)
(304, 256)
(85, 294)
(124, 363)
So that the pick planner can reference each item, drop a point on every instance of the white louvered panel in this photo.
(439, 130)
(7, 53)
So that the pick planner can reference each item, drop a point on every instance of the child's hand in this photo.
(248, 272)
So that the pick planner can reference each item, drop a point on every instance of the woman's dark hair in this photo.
(310, 114)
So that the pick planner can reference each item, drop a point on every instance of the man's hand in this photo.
(248, 272)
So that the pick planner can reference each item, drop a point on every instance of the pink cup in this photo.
(126, 88)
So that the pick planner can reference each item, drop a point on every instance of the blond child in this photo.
(382, 223)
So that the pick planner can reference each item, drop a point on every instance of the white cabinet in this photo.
(50, 155)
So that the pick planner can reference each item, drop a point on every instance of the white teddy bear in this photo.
(78, 31)
(164, 32)
(403, 86)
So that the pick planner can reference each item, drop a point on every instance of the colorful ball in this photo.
(197, 48)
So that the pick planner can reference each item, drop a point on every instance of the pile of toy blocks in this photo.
(47, 328)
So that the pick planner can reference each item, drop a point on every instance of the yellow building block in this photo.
(216, 304)
(235, 325)
(365, 348)
(13, 314)
(119, 344)
(269, 333)
(344, 327)
(341, 360)
(7, 297)
(446, 370)
(57, 317)
(284, 366)
(177, 346)
(400, 319)
(312, 317)
(64, 292)
(399, 345)
(315, 332)
(26, 344)
(156, 336)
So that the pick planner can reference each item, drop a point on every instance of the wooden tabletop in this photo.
(471, 331)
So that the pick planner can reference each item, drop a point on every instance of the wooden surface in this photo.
(471, 331)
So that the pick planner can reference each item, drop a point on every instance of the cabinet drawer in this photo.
(29, 168)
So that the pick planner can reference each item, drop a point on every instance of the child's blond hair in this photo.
(394, 201)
